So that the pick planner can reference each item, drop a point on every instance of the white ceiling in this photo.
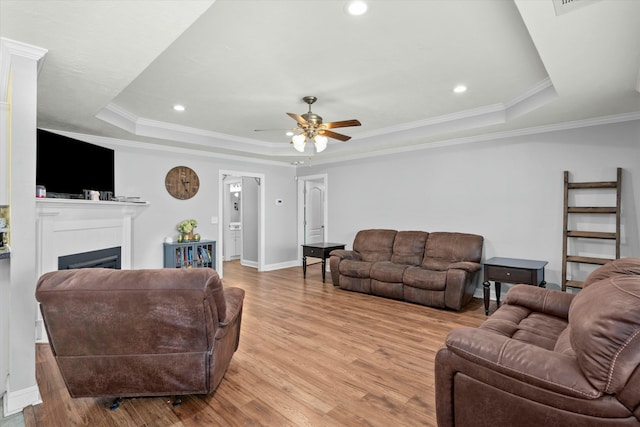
(116, 68)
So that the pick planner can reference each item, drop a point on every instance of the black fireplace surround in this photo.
(102, 258)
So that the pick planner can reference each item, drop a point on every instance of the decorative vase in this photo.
(196, 237)
(188, 237)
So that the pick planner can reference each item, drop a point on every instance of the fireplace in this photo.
(66, 226)
(103, 258)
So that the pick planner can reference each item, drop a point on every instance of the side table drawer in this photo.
(509, 275)
(312, 252)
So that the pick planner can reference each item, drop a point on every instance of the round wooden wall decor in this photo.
(182, 182)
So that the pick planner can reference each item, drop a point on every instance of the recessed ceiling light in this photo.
(178, 107)
(357, 8)
(460, 89)
(289, 133)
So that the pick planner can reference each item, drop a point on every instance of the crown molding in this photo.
(599, 121)
(143, 146)
(10, 49)
(141, 126)
(538, 95)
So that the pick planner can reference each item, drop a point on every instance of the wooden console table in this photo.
(511, 270)
(318, 250)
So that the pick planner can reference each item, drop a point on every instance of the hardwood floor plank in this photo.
(309, 355)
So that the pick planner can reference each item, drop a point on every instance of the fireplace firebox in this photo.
(102, 258)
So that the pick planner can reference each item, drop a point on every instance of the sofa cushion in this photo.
(374, 245)
(387, 289)
(605, 331)
(408, 247)
(354, 268)
(422, 278)
(387, 271)
(443, 248)
(522, 324)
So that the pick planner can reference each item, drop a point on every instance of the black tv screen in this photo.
(66, 166)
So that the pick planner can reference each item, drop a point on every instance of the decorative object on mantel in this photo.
(96, 195)
(186, 229)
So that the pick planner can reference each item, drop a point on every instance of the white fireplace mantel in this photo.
(68, 226)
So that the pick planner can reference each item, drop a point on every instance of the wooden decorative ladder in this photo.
(613, 211)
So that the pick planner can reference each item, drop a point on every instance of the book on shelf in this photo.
(205, 255)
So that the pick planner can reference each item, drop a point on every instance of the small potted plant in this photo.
(186, 227)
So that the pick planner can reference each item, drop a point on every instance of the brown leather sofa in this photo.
(124, 333)
(549, 358)
(437, 269)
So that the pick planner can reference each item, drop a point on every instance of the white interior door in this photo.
(314, 212)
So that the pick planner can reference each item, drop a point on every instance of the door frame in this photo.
(226, 209)
(302, 180)
(261, 217)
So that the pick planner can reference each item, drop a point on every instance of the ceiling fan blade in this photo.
(341, 124)
(334, 135)
(298, 118)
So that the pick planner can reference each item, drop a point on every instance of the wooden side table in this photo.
(511, 270)
(318, 250)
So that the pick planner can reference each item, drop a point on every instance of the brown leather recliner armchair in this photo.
(125, 333)
(549, 358)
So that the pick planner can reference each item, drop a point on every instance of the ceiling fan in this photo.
(311, 128)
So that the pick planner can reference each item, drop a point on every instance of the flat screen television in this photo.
(66, 167)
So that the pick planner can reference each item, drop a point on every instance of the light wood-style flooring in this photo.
(309, 355)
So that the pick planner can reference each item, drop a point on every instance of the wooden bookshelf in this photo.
(201, 254)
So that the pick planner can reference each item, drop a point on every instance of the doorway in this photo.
(232, 219)
(241, 227)
(312, 210)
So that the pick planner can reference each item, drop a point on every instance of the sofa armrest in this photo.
(469, 266)
(522, 361)
(346, 254)
(335, 258)
(234, 298)
(554, 303)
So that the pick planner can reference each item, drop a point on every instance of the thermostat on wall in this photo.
(279, 202)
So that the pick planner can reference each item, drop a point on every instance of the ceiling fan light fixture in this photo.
(312, 128)
(321, 142)
(299, 141)
(357, 8)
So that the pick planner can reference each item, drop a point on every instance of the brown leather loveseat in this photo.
(437, 269)
(125, 333)
(549, 358)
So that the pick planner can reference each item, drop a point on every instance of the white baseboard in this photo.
(270, 267)
(15, 401)
(247, 263)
